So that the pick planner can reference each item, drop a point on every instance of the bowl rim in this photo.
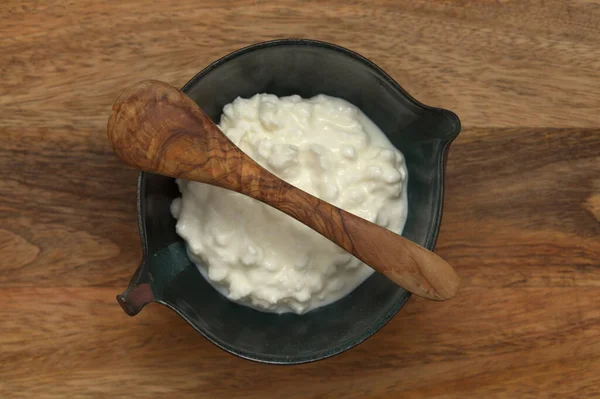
(143, 271)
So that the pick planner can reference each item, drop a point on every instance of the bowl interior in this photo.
(306, 68)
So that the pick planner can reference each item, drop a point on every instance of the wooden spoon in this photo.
(157, 128)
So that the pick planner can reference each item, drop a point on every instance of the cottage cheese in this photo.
(260, 257)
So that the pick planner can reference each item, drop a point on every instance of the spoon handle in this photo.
(157, 128)
(407, 264)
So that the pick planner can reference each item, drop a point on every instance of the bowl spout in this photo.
(137, 295)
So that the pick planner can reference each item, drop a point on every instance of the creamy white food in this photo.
(260, 257)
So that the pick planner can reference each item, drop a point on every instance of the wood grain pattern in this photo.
(521, 221)
(156, 128)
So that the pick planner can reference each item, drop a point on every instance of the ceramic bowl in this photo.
(306, 68)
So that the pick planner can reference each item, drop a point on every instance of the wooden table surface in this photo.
(521, 222)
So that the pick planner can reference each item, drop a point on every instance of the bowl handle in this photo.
(139, 293)
(435, 124)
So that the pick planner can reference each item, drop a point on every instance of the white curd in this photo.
(260, 257)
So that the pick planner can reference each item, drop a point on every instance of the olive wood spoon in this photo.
(157, 128)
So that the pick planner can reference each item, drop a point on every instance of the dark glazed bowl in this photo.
(307, 68)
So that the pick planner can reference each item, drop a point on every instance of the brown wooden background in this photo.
(521, 221)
